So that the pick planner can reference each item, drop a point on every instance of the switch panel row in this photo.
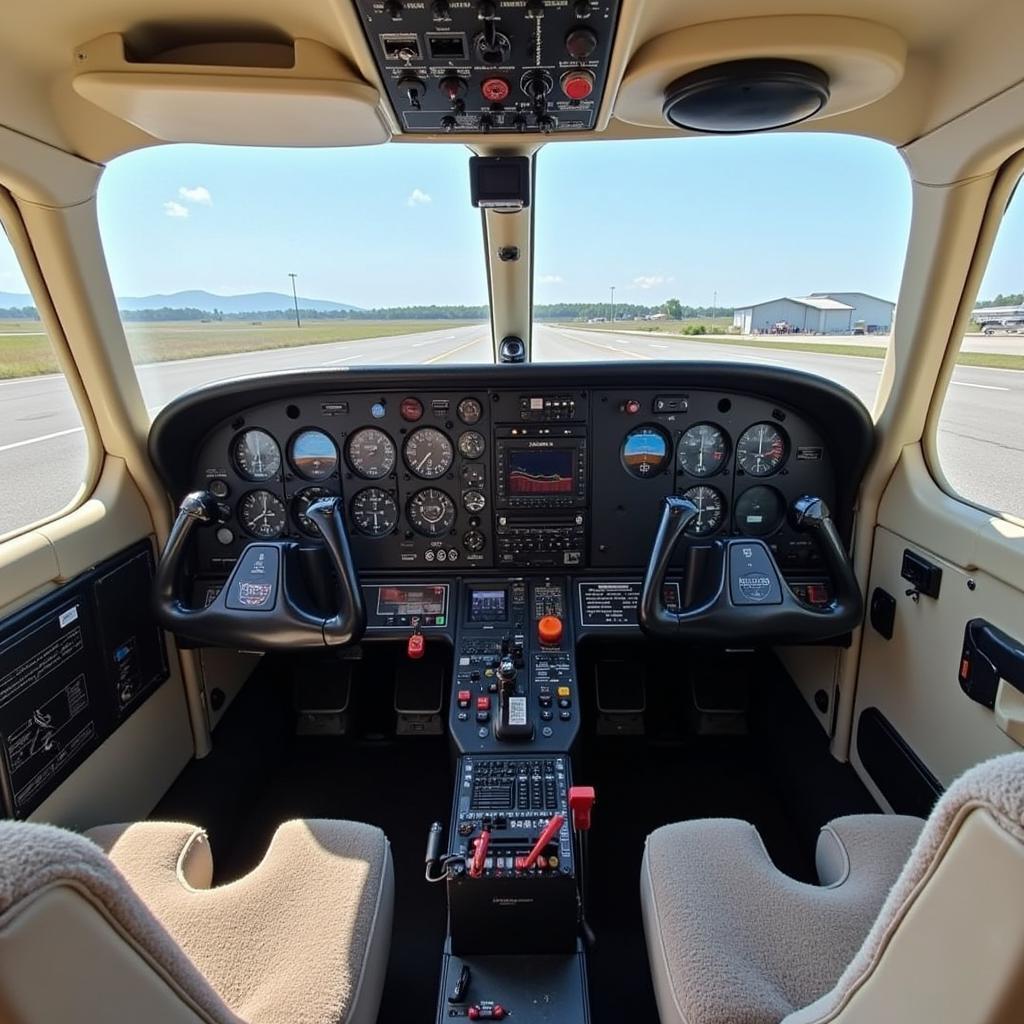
(452, 66)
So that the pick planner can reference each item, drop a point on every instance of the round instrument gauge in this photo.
(759, 511)
(431, 512)
(374, 512)
(646, 451)
(371, 453)
(470, 411)
(762, 449)
(474, 501)
(703, 449)
(301, 502)
(256, 455)
(471, 444)
(314, 455)
(262, 515)
(710, 510)
(428, 453)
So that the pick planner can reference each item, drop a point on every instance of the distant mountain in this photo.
(254, 302)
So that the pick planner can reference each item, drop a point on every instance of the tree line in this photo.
(1014, 299)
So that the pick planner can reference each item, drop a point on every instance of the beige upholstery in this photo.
(733, 941)
(139, 935)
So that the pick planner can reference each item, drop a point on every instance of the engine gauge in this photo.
(703, 449)
(474, 501)
(374, 512)
(431, 512)
(471, 444)
(710, 510)
(759, 511)
(646, 451)
(428, 453)
(371, 453)
(470, 411)
(301, 502)
(256, 455)
(262, 515)
(314, 455)
(762, 449)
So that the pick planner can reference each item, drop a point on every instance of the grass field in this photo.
(671, 329)
(25, 351)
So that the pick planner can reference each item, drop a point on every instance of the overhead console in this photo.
(492, 65)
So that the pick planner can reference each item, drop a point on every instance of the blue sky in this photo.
(748, 218)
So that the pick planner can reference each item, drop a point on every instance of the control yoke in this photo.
(258, 607)
(749, 598)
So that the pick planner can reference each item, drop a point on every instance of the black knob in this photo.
(448, 124)
(414, 89)
(546, 123)
(535, 8)
(581, 42)
(487, 10)
(537, 84)
(393, 9)
(441, 10)
(582, 9)
(486, 123)
(520, 124)
(507, 668)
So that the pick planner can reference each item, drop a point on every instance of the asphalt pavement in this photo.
(42, 447)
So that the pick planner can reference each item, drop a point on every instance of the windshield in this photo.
(228, 261)
(783, 249)
(777, 249)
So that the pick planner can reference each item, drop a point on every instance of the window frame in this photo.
(24, 252)
(1004, 187)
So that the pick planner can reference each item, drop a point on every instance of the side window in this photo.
(44, 453)
(981, 427)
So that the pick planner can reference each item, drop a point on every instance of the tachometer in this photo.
(314, 455)
(371, 453)
(470, 411)
(471, 444)
(262, 515)
(428, 453)
(374, 512)
(710, 510)
(703, 449)
(431, 512)
(759, 511)
(301, 502)
(761, 449)
(256, 455)
(646, 451)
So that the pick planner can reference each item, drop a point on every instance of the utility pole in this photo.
(714, 306)
(295, 296)
(613, 304)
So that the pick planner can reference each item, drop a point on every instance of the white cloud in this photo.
(173, 209)
(651, 281)
(549, 279)
(199, 194)
(417, 197)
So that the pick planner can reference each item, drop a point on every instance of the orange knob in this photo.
(549, 629)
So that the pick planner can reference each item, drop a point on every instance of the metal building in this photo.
(870, 312)
(820, 313)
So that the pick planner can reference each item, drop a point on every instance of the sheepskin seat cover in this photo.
(286, 943)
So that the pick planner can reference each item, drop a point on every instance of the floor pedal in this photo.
(720, 703)
(321, 704)
(419, 697)
(621, 697)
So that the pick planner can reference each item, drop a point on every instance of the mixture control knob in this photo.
(549, 629)
(581, 42)
(578, 85)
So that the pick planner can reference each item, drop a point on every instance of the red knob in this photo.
(549, 629)
(577, 85)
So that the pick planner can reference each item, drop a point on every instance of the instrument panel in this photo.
(513, 478)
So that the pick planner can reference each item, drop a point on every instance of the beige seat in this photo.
(909, 924)
(123, 926)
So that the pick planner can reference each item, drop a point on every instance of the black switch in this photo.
(924, 577)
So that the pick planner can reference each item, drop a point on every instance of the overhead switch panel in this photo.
(481, 66)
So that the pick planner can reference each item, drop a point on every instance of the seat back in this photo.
(948, 944)
(76, 942)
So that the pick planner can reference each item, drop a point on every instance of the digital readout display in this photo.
(534, 471)
(487, 606)
(417, 601)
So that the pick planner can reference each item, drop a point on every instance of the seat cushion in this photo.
(303, 938)
(732, 940)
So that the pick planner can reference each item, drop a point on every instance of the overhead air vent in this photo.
(746, 96)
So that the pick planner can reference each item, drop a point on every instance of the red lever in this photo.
(415, 646)
(581, 802)
(476, 868)
(551, 829)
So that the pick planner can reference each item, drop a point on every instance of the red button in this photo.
(495, 90)
(483, 703)
(464, 698)
(632, 407)
(411, 409)
(549, 629)
(577, 85)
